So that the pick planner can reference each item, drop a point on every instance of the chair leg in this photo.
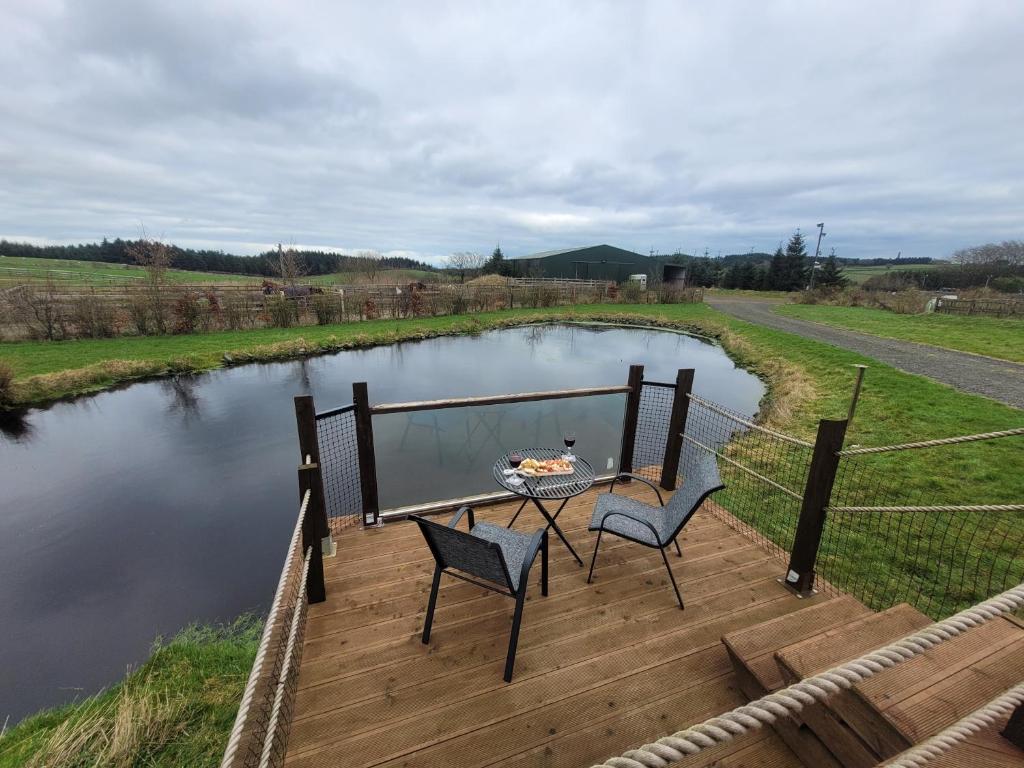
(431, 604)
(513, 641)
(594, 558)
(678, 550)
(544, 565)
(672, 578)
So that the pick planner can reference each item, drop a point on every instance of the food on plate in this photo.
(546, 467)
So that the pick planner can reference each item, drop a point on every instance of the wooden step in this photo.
(752, 652)
(984, 749)
(753, 649)
(834, 646)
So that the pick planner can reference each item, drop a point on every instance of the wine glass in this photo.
(569, 438)
(514, 460)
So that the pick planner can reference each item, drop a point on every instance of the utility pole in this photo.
(821, 234)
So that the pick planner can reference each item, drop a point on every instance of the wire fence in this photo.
(652, 425)
(339, 463)
(764, 472)
(904, 525)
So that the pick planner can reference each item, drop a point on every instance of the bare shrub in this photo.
(40, 309)
(187, 312)
(156, 258)
(138, 313)
(93, 317)
(281, 312)
(327, 308)
(631, 293)
(6, 384)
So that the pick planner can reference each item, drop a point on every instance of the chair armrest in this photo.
(458, 516)
(644, 480)
(644, 523)
(531, 554)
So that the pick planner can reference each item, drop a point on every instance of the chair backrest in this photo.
(453, 548)
(700, 479)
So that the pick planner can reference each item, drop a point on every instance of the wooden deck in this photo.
(601, 667)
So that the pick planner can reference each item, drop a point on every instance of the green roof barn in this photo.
(592, 262)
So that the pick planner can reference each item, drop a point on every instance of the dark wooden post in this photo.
(676, 428)
(309, 451)
(1014, 730)
(820, 478)
(308, 481)
(367, 459)
(635, 381)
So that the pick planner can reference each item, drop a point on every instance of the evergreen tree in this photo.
(831, 273)
(747, 278)
(775, 279)
(496, 264)
(795, 263)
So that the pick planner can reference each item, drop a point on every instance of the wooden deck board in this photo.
(601, 667)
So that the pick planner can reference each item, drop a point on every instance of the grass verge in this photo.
(175, 710)
(1002, 338)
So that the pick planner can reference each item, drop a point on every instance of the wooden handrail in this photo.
(522, 397)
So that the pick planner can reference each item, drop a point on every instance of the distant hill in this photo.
(119, 252)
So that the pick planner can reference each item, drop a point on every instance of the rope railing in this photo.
(932, 443)
(247, 727)
(748, 423)
(817, 688)
(945, 740)
(743, 468)
(935, 508)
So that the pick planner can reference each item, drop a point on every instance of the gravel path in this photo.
(999, 380)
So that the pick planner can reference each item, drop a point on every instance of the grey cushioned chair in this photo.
(656, 526)
(502, 558)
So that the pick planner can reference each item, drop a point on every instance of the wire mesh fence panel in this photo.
(764, 473)
(940, 559)
(652, 424)
(339, 460)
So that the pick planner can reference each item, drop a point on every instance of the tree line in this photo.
(265, 264)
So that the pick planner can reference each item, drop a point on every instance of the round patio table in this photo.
(550, 488)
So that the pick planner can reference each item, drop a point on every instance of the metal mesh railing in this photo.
(764, 472)
(259, 736)
(339, 462)
(652, 425)
(938, 525)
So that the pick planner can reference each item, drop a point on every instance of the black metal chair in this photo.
(656, 526)
(499, 556)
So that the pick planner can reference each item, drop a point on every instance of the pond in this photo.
(131, 513)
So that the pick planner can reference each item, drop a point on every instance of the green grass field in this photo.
(807, 380)
(996, 337)
(860, 274)
(18, 268)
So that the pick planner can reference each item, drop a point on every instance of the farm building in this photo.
(592, 262)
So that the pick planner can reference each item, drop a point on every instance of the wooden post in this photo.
(820, 478)
(1014, 730)
(676, 428)
(367, 459)
(308, 481)
(309, 450)
(635, 381)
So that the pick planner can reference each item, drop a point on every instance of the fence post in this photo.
(308, 475)
(309, 446)
(676, 427)
(367, 459)
(820, 478)
(635, 381)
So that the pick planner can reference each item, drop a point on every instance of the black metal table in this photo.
(549, 488)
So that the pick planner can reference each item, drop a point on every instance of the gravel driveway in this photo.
(999, 380)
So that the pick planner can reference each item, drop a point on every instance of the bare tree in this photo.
(290, 265)
(39, 308)
(156, 258)
(1009, 251)
(369, 264)
(465, 261)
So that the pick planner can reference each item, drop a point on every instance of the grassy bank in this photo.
(996, 337)
(175, 710)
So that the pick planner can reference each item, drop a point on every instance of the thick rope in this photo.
(749, 471)
(932, 443)
(242, 719)
(945, 740)
(782, 703)
(746, 422)
(935, 508)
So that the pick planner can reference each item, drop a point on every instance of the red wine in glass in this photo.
(514, 460)
(569, 438)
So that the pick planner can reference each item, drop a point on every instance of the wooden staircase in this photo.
(894, 709)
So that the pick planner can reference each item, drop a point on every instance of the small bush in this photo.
(138, 314)
(281, 312)
(6, 384)
(188, 312)
(326, 308)
(631, 293)
(93, 317)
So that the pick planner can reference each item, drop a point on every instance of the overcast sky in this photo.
(432, 127)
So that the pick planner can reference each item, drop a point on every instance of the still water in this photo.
(129, 514)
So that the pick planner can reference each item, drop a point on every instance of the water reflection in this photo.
(134, 512)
